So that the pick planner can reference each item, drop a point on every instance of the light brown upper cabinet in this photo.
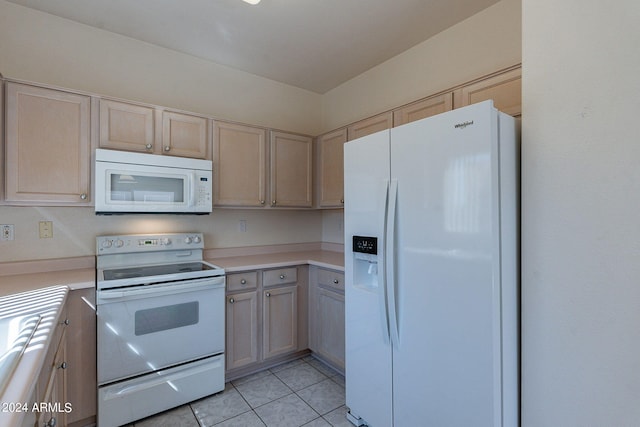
(504, 88)
(133, 127)
(127, 127)
(331, 168)
(291, 170)
(48, 146)
(422, 109)
(239, 165)
(185, 135)
(370, 125)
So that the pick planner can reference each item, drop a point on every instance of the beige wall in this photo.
(580, 213)
(75, 229)
(483, 43)
(43, 48)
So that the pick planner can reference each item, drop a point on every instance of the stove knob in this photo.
(187, 240)
(166, 241)
(107, 243)
(119, 243)
(196, 239)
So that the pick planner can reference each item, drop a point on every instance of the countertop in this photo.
(74, 279)
(327, 259)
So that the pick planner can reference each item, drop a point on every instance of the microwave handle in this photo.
(192, 189)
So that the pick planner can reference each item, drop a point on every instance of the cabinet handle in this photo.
(273, 203)
(52, 422)
(83, 196)
(243, 282)
(268, 294)
(63, 365)
(167, 148)
(148, 146)
(342, 201)
(282, 276)
(262, 202)
(231, 300)
(65, 322)
(336, 281)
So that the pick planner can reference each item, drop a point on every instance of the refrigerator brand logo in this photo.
(463, 125)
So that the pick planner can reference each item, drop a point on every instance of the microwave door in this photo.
(138, 188)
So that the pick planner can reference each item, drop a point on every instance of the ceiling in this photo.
(311, 44)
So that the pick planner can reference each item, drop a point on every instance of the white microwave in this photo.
(147, 183)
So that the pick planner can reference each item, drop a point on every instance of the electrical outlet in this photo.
(45, 229)
(242, 226)
(7, 232)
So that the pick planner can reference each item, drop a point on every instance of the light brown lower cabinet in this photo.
(266, 318)
(81, 357)
(330, 331)
(242, 329)
(50, 394)
(280, 321)
(326, 315)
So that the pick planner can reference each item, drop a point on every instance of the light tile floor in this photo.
(304, 392)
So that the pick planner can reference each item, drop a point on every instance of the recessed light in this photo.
(254, 2)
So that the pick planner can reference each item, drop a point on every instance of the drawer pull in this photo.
(268, 294)
(52, 422)
(243, 281)
(148, 146)
(63, 365)
(336, 281)
(65, 322)
(282, 276)
(231, 300)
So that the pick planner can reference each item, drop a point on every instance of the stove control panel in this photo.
(148, 242)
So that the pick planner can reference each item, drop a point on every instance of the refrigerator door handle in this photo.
(390, 263)
(382, 268)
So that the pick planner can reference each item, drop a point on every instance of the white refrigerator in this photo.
(432, 272)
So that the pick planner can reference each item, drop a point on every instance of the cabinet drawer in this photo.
(332, 279)
(279, 276)
(242, 281)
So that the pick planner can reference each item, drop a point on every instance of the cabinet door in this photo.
(242, 329)
(185, 135)
(280, 322)
(239, 165)
(330, 326)
(422, 109)
(47, 147)
(371, 125)
(505, 89)
(127, 127)
(291, 170)
(54, 394)
(330, 166)
(81, 337)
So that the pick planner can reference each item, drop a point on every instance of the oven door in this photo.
(146, 328)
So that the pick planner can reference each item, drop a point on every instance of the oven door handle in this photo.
(159, 290)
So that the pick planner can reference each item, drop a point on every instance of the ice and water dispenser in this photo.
(365, 262)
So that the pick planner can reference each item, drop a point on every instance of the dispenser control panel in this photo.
(365, 245)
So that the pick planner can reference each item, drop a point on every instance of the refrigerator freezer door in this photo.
(368, 350)
(446, 362)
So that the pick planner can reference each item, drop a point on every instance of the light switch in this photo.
(46, 229)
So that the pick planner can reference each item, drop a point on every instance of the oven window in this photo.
(167, 317)
(149, 189)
